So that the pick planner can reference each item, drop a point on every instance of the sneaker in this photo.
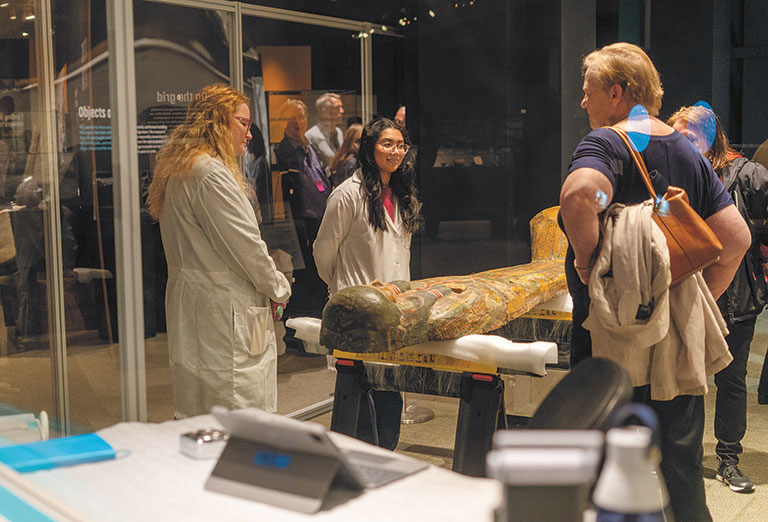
(728, 473)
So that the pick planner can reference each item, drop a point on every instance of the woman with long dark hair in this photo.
(366, 233)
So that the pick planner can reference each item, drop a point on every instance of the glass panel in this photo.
(178, 51)
(287, 68)
(25, 204)
(84, 144)
(471, 135)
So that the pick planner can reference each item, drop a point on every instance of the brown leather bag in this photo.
(692, 244)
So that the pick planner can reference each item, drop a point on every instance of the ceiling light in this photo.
(431, 13)
(29, 17)
(24, 34)
(4, 4)
(12, 17)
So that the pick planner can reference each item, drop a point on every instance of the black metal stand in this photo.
(481, 406)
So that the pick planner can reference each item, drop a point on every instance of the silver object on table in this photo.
(207, 443)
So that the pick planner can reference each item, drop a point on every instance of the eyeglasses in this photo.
(244, 121)
(391, 146)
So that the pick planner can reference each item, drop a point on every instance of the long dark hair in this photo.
(401, 182)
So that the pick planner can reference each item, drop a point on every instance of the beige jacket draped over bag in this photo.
(670, 338)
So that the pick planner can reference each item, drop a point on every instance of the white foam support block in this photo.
(483, 349)
(496, 351)
(307, 328)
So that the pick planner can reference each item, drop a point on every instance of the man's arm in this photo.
(733, 232)
(579, 210)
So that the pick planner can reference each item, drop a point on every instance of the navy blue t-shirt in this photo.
(672, 156)
(676, 163)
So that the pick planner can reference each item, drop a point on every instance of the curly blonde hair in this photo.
(206, 130)
(627, 65)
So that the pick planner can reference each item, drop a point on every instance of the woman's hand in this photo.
(277, 310)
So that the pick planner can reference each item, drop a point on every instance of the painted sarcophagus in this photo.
(383, 317)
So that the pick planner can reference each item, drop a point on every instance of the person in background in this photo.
(258, 174)
(761, 154)
(326, 136)
(344, 162)
(306, 187)
(400, 116)
(221, 279)
(745, 298)
(355, 119)
(616, 79)
(366, 235)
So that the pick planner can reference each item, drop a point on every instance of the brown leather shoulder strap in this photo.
(638, 159)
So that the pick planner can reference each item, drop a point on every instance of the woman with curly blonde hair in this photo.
(221, 279)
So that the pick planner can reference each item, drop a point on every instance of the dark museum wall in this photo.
(683, 52)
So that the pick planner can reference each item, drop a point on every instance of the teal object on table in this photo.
(14, 509)
(53, 453)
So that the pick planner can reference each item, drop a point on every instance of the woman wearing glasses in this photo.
(220, 277)
(366, 234)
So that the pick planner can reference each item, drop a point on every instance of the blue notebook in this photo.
(53, 453)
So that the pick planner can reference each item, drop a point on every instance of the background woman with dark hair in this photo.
(344, 162)
(366, 234)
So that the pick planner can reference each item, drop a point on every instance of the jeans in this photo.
(731, 402)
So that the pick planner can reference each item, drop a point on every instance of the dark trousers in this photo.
(581, 340)
(681, 421)
(309, 292)
(731, 402)
(389, 407)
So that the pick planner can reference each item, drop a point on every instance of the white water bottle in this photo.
(630, 487)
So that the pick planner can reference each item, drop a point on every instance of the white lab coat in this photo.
(220, 333)
(349, 251)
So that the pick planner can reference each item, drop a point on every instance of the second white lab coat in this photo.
(349, 251)
(221, 337)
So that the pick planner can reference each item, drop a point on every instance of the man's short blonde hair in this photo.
(627, 65)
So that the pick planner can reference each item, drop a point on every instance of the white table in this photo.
(154, 481)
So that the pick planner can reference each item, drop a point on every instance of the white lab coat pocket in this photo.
(259, 319)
